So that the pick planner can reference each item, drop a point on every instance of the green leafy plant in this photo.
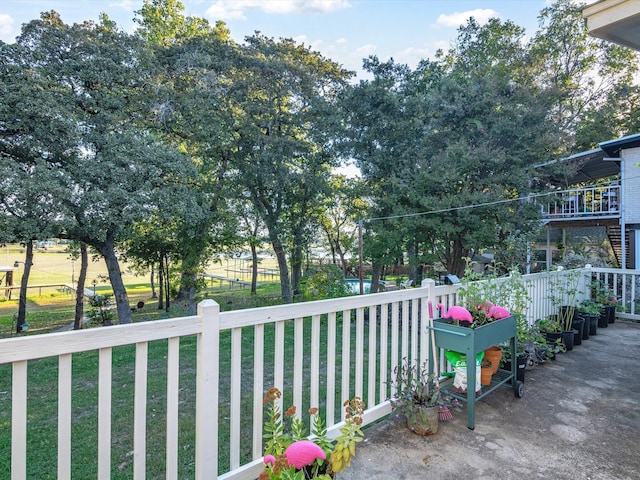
(563, 292)
(285, 439)
(590, 307)
(101, 309)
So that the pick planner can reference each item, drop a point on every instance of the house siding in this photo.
(631, 187)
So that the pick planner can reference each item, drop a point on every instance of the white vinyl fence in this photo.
(212, 370)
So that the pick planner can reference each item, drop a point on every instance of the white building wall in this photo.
(631, 186)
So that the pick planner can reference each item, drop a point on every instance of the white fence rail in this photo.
(317, 353)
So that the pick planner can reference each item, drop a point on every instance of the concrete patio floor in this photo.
(579, 419)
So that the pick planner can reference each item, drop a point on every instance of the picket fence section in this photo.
(323, 352)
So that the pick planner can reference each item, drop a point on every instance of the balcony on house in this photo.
(586, 203)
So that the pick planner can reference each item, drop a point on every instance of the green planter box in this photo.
(472, 341)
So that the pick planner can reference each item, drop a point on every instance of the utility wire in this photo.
(496, 202)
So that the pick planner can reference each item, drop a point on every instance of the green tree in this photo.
(285, 96)
(119, 172)
(342, 208)
(456, 139)
(34, 137)
(584, 72)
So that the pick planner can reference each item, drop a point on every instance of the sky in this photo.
(345, 31)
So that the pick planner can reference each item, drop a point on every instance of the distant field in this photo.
(52, 306)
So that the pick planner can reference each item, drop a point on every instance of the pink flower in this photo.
(269, 460)
(498, 312)
(486, 306)
(460, 314)
(303, 453)
(614, 300)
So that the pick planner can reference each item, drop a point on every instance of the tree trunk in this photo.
(107, 250)
(22, 302)
(296, 268)
(84, 265)
(376, 270)
(152, 279)
(167, 285)
(285, 286)
(254, 270)
(161, 283)
(413, 255)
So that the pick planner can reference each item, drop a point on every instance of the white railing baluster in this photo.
(64, 416)
(104, 413)
(346, 356)
(298, 363)
(331, 370)
(359, 360)
(19, 420)
(384, 351)
(314, 372)
(373, 355)
(173, 399)
(235, 401)
(258, 388)
(140, 412)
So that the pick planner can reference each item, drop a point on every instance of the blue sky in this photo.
(345, 31)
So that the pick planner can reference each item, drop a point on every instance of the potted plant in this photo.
(590, 310)
(605, 296)
(290, 454)
(416, 396)
(551, 330)
(486, 372)
(563, 293)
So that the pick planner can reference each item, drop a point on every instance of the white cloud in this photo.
(235, 9)
(411, 56)
(366, 50)
(482, 16)
(126, 5)
(6, 26)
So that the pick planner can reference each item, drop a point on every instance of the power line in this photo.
(486, 204)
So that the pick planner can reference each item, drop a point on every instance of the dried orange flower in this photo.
(272, 395)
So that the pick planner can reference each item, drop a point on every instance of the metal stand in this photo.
(473, 341)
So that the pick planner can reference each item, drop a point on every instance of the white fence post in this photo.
(208, 374)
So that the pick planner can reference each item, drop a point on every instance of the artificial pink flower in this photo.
(303, 453)
(498, 312)
(269, 460)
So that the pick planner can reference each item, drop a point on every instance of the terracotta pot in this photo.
(485, 375)
(494, 355)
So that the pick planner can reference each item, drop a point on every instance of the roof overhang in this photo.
(601, 162)
(617, 21)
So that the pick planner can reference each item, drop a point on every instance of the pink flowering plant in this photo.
(292, 455)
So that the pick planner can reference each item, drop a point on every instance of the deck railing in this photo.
(586, 202)
(317, 353)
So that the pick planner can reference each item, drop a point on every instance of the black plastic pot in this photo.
(578, 327)
(603, 321)
(567, 339)
(585, 327)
